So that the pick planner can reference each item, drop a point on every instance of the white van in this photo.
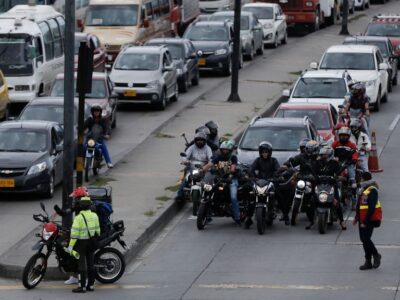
(31, 49)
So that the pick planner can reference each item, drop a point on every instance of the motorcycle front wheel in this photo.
(109, 264)
(201, 216)
(322, 222)
(260, 217)
(295, 211)
(195, 201)
(88, 164)
(34, 271)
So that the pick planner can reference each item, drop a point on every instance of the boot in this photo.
(367, 265)
(377, 261)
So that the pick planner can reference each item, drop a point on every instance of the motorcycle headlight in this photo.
(262, 190)
(220, 52)
(323, 197)
(370, 82)
(207, 187)
(195, 172)
(46, 234)
(37, 168)
(152, 84)
(91, 143)
(301, 184)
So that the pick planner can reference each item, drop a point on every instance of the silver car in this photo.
(145, 74)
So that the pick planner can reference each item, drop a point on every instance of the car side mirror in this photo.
(114, 95)
(168, 68)
(314, 65)
(193, 56)
(59, 148)
(383, 66)
(341, 106)
(286, 93)
(278, 18)
(10, 88)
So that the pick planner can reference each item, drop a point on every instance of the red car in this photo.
(99, 58)
(323, 115)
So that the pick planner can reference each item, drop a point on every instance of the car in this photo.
(361, 4)
(31, 157)
(102, 94)
(273, 22)
(251, 32)
(185, 58)
(145, 74)
(364, 63)
(320, 86)
(214, 45)
(324, 116)
(99, 53)
(284, 134)
(386, 25)
(385, 46)
(4, 98)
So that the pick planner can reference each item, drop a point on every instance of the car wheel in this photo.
(114, 120)
(175, 97)
(241, 62)
(250, 56)
(385, 97)
(196, 78)
(163, 103)
(285, 39)
(184, 84)
(389, 85)
(275, 44)
(6, 113)
(228, 69)
(50, 187)
(315, 26)
(352, 9)
(367, 4)
(260, 51)
(377, 104)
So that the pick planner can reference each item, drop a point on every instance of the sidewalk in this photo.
(144, 182)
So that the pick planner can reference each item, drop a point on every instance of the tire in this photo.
(163, 104)
(175, 97)
(39, 271)
(184, 84)
(285, 38)
(352, 10)
(390, 84)
(295, 211)
(116, 264)
(50, 188)
(367, 4)
(88, 163)
(385, 98)
(260, 51)
(6, 114)
(276, 43)
(251, 55)
(377, 104)
(196, 79)
(201, 216)
(260, 217)
(228, 69)
(114, 122)
(322, 223)
(331, 20)
(241, 63)
(315, 27)
(394, 82)
(195, 202)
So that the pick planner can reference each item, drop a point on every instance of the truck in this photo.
(183, 13)
(309, 14)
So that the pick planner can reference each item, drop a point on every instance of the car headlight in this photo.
(370, 83)
(220, 52)
(207, 187)
(152, 84)
(37, 168)
(267, 25)
(323, 197)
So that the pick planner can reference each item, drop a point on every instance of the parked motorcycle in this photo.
(108, 261)
(325, 206)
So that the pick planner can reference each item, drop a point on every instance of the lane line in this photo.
(394, 123)
(275, 286)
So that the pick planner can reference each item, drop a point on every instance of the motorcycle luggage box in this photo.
(100, 193)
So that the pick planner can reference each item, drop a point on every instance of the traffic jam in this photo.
(312, 155)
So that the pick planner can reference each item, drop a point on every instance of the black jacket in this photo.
(267, 168)
(90, 122)
(306, 163)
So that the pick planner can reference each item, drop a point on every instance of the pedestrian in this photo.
(85, 226)
(368, 216)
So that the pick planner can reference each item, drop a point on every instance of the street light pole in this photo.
(234, 96)
(344, 30)
(68, 163)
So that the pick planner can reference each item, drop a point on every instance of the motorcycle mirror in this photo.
(42, 206)
(57, 209)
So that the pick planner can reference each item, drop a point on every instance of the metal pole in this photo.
(81, 120)
(344, 30)
(69, 92)
(234, 96)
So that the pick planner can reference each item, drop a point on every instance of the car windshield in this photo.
(177, 50)
(281, 138)
(318, 116)
(381, 45)
(53, 113)
(111, 15)
(14, 55)
(22, 140)
(138, 62)
(383, 29)
(244, 20)
(207, 33)
(320, 88)
(348, 61)
(99, 90)
(262, 13)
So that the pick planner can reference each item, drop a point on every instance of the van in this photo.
(32, 50)
(5, 5)
(121, 22)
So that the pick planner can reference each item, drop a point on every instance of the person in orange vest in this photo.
(368, 216)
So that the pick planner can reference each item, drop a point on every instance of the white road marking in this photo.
(394, 123)
(274, 286)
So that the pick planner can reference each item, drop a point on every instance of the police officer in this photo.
(368, 216)
(85, 225)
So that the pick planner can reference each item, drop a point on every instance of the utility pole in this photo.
(344, 30)
(68, 163)
(234, 96)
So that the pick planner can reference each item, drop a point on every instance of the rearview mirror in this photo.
(183, 154)
(313, 65)
(383, 66)
(168, 68)
(286, 93)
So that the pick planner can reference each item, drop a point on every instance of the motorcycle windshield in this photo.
(262, 182)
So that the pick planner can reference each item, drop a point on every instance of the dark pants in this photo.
(85, 263)
(365, 237)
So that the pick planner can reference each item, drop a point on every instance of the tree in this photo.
(344, 30)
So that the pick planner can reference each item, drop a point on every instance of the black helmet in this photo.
(302, 144)
(96, 107)
(312, 148)
(213, 127)
(366, 176)
(200, 139)
(358, 89)
(265, 146)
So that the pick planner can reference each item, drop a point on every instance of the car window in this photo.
(98, 89)
(59, 134)
(379, 58)
(320, 88)
(348, 61)
(244, 20)
(23, 140)
(263, 13)
(383, 29)
(314, 131)
(138, 62)
(207, 33)
(335, 115)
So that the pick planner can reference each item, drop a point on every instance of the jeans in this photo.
(368, 245)
(363, 162)
(233, 188)
(184, 184)
(352, 172)
(104, 150)
(354, 113)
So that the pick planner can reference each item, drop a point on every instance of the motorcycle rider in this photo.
(226, 162)
(302, 144)
(85, 225)
(96, 119)
(213, 139)
(363, 143)
(264, 167)
(358, 105)
(327, 166)
(199, 151)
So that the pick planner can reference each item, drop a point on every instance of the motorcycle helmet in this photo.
(265, 147)
(344, 134)
(355, 126)
(302, 144)
(85, 202)
(200, 139)
(326, 153)
(80, 192)
(358, 89)
(94, 108)
(213, 127)
(203, 129)
(226, 147)
(365, 176)
(311, 148)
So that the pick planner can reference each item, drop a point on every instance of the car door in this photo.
(112, 101)
(168, 75)
(258, 32)
(192, 59)
(383, 74)
(56, 156)
(392, 58)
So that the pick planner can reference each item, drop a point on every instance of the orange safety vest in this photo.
(377, 215)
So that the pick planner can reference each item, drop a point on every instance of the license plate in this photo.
(8, 183)
(201, 61)
(130, 93)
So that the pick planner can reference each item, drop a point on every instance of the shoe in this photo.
(209, 220)
(377, 261)
(89, 289)
(72, 280)
(309, 226)
(110, 165)
(343, 225)
(366, 266)
(79, 290)
(248, 223)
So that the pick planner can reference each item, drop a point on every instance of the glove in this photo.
(71, 252)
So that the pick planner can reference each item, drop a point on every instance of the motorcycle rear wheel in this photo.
(88, 164)
(260, 217)
(33, 273)
(196, 201)
(109, 265)
(295, 211)
(322, 223)
(201, 216)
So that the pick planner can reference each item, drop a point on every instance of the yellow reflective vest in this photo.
(80, 231)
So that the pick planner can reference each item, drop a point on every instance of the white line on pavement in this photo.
(394, 123)
(274, 286)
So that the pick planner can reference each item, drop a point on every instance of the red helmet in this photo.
(80, 192)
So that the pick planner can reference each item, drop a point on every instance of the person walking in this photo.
(368, 216)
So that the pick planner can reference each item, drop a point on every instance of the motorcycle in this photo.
(93, 153)
(264, 191)
(303, 197)
(108, 261)
(325, 206)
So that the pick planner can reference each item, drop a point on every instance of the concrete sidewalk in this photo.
(144, 183)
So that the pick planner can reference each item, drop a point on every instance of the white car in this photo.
(321, 86)
(273, 20)
(364, 63)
